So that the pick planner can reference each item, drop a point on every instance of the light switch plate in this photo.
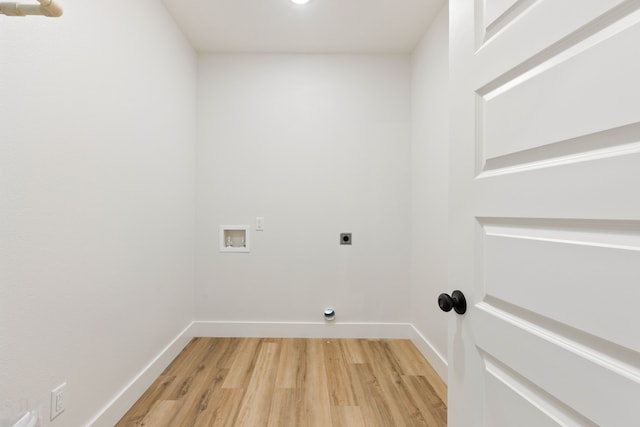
(58, 400)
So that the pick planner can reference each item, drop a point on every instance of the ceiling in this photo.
(322, 26)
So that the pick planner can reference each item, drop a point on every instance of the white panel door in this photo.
(545, 213)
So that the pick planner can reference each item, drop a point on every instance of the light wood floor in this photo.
(294, 383)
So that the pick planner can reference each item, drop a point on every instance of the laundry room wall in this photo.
(97, 135)
(429, 189)
(317, 145)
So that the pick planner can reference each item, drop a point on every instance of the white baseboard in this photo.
(433, 356)
(300, 330)
(121, 403)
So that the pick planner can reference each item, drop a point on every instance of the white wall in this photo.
(429, 187)
(97, 138)
(317, 145)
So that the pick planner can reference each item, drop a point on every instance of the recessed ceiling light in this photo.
(299, 1)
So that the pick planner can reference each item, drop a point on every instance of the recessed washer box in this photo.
(234, 238)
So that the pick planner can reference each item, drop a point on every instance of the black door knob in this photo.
(456, 301)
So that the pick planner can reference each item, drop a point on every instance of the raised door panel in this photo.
(594, 184)
(560, 375)
(585, 91)
(577, 273)
(512, 400)
(529, 32)
(494, 10)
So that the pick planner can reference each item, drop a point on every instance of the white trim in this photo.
(130, 394)
(300, 330)
(433, 356)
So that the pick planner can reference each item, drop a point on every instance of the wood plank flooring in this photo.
(294, 383)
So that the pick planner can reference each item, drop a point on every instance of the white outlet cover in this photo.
(57, 400)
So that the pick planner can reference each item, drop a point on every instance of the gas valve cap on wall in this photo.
(345, 238)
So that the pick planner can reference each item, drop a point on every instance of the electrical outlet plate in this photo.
(57, 400)
(345, 238)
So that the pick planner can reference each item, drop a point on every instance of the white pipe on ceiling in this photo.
(46, 7)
